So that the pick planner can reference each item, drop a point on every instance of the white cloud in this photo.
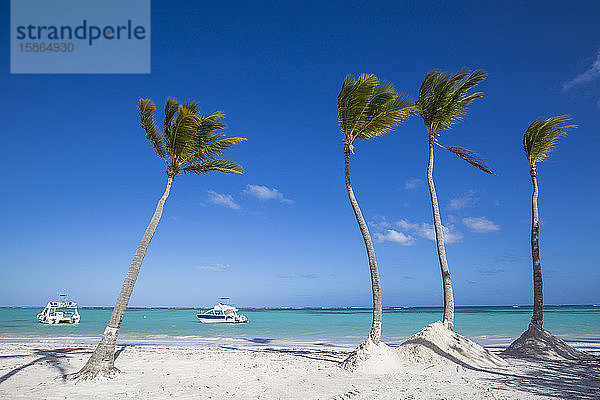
(451, 235)
(466, 200)
(213, 268)
(407, 226)
(412, 183)
(480, 224)
(589, 75)
(394, 236)
(380, 223)
(427, 231)
(225, 200)
(264, 193)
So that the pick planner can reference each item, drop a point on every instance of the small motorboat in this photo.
(222, 313)
(60, 312)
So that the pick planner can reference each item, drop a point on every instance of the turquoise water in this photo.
(339, 325)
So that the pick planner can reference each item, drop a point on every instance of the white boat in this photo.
(60, 312)
(222, 313)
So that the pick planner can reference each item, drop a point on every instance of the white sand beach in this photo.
(30, 370)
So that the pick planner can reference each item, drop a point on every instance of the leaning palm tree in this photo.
(538, 141)
(190, 143)
(368, 108)
(441, 103)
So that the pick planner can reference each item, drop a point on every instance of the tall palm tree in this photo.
(190, 143)
(368, 108)
(538, 141)
(442, 102)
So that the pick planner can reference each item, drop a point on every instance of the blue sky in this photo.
(81, 182)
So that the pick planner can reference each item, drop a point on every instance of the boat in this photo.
(60, 312)
(222, 313)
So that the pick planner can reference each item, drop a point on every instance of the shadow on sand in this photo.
(558, 379)
(52, 357)
(320, 355)
(259, 340)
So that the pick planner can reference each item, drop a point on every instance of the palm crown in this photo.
(190, 142)
(442, 102)
(541, 137)
(369, 108)
(443, 98)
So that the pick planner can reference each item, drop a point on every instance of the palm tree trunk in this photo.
(375, 333)
(448, 318)
(102, 360)
(538, 296)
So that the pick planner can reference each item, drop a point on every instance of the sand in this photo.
(36, 370)
(434, 346)
(540, 344)
(373, 358)
(437, 346)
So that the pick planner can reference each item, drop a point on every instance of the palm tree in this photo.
(368, 108)
(190, 143)
(538, 141)
(441, 103)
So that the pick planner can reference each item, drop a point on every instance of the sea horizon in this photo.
(491, 326)
(309, 307)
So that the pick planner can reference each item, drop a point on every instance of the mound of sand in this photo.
(439, 346)
(372, 358)
(540, 344)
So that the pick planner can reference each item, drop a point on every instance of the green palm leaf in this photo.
(541, 136)
(209, 147)
(146, 110)
(443, 98)
(171, 107)
(226, 166)
(183, 129)
(210, 123)
(369, 108)
(191, 142)
(442, 102)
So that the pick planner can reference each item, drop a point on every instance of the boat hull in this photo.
(58, 320)
(220, 319)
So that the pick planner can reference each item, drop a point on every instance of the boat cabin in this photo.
(60, 312)
(222, 313)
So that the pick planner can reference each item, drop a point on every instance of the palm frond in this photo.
(191, 142)
(443, 98)
(469, 156)
(146, 110)
(222, 165)
(386, 116)
(201, 147)
(541, 136)
(208, 148)
(353, 100)
(171, 107)
(210, 123)
(183, 129)
(369, 108)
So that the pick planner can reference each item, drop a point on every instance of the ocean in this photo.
(304, 326)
